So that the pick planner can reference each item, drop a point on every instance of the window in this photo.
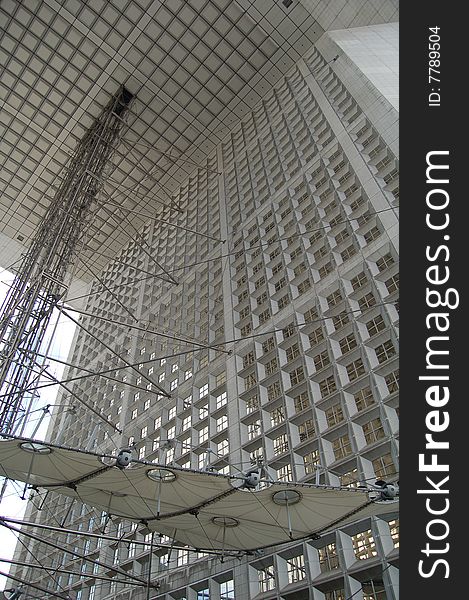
(347, 343)
(384, 466)
(271, 366)
(364, 398)
(316, 336)
(311, 461)
(203, 435)
(359, 281)
(348, 252)
(144, 432)
(340, 320)
(157, 422)
(161, 377)
(173, 385)
(182, 557)
(266, 579)
(223, 447)
(227, 590)
(392, 284)
(373, 430)
(288, 331)
(246, 330)
(334, 298)
(366, 301)
(187, 374)
(328, 558)
(321, 360)
(220, 379)
(222, 423)
(350, 479)
(342, 447)
(264, 316)
(355, 369)
(285, 473)
(384, 262)
(327, 386)
(364, 545)
(301, 402)
(297, 376)
(221, 400)
(375, 325)
(334, 415)
(292, 352)
(250, 381)
(306, 430)
(171, 413)
(187, 402)
(385, 351)
(141, 453)
(301, 268)
(392, 381)
(262, 299)
(373, 234)
(268, 345)
(296, 568)
(273, 390)
(203, 391)
(248, 359)
(252, 404)
(186, 423)
(394, 530)
(254, 429)
(134, 414)
(277, 416)
(281, 444)
(304, 286)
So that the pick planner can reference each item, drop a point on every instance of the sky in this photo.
(12, 505)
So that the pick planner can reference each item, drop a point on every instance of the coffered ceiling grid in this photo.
(196, 66)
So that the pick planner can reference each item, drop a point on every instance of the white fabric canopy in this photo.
(202, 510)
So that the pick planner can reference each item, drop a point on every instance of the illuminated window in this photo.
(203, 435)
(285, 473)
(394, 530)
(223, 447)
(364, 545)
(222, 423)
(296, 568)
(266, 579)
(281, 444)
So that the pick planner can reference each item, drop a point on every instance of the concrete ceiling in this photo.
(196, 66)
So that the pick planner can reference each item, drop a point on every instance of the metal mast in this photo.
(46, 269)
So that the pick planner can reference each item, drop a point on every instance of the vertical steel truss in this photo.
(46, 269)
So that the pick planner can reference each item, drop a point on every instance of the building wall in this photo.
(298, 279)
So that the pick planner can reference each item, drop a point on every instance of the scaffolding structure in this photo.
(46, 270)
